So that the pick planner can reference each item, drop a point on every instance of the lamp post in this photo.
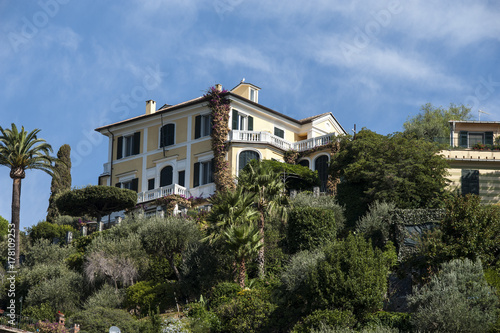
(114, 329)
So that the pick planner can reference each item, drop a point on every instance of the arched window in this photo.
(246, 156)
(304, 163)
(166, 176)
(321, 165)
(167, 135)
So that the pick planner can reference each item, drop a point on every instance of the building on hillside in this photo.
(474, 158)
(168, 150)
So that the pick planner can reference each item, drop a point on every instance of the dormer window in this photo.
(253, 95)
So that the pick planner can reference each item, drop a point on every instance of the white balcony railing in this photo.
(161, 192)
(266, 137)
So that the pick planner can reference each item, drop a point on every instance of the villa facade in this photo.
(168, 150)
(474, 158)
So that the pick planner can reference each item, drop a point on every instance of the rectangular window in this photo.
(130, 184)
(203, 173)
(182, 178)
(151, 184)
(128, 145)
(475, 138)
(167, 135)
(202, 126)
(470, 182)
(253, 95)
(242, 122)
(279, 132)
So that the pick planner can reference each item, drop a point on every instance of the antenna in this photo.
(479, 114)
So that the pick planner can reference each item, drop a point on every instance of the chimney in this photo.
(150, 107)
(218, 87)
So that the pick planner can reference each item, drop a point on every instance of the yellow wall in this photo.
(489, 179)
(125, 167)
(181, 152)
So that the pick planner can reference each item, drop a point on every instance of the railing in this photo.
(266, 137)
(161, 192)
(472, 155)
(312, 142)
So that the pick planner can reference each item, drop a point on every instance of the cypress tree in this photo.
(61, 181)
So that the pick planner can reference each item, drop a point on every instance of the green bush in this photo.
(398, 320)
(106, 297)
(307, 199)
(4, 226)
(352, 276)
(249, 311)
(376, 223)
(43, 251)
(333, 318)
(42, 311)
(50, 231)
(146, 296)
(222, 293)
(310, 227)
(99, 319)
(457, 299)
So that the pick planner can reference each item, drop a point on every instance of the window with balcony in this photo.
(470, 182)
(203, 173)
(202, 126)
(167, 135)
(241, 121)
(470, 139)
(128, 145)
(151, 184)
(246, 156)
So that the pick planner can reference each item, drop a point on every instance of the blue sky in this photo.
(67, 66)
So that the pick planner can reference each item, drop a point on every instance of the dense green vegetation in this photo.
(260, 261)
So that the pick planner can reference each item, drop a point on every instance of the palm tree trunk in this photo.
(16, 207)
(242, 273)
(260, 257)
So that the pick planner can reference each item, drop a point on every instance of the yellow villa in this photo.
(167, 150)
(474, 166)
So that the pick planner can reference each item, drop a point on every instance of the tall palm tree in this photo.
(21, 151)
(244, 241)
(270, 198)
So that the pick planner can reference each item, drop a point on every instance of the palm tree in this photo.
(244, 241)
(270, 198)
(21, 151)
(229, 208)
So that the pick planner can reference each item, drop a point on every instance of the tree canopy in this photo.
(432, 122)
(96, 201)
(391, 168)
(61, 180)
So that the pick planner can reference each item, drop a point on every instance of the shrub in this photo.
(398, 320)
(48, 327)
(222, 293)
(375, 225)
(106, 297)
(457, 299)
(148, 295)
(42, 311)
(307, 199)
(50, 231)
(42, 251)
(249, 311)
(310, 227)
(333, 318)
(375, 329)
(352, 276)
(99, 319)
